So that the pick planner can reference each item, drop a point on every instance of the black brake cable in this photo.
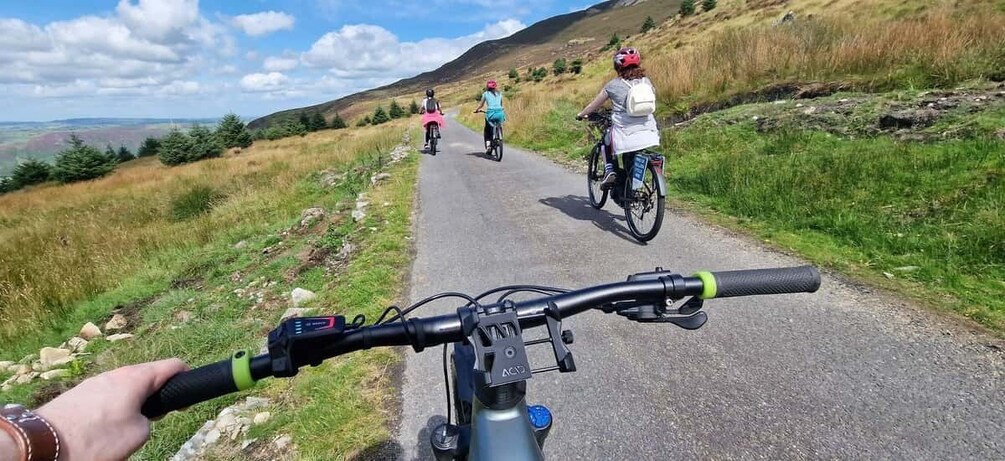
(446, 383)
(430, 299)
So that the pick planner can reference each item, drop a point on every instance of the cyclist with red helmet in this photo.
(492, 101)
(631, 129)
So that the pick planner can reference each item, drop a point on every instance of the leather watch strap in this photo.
(35, 437)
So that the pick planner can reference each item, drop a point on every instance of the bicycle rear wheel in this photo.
(498, 144)
(644, 211)
(434, 133)
(594, 176)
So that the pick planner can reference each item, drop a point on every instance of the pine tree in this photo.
(648, 25)
(7, 185)
(149, 147)
(413, 108)
(338, 123)
(204, 144)
(614, 42)
(687, 8)
(295, 127)
(174, 148)
(396, 111)
(577, 66)
(30, 172)
(559, 66)
(380, 116)
(318, 122)
(232, 132)
(513, 74)
(110, 152)
(708, 5)
(304, 120)
(80, 162)
(124, 155)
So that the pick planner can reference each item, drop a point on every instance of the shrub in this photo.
(317, 122)
(231, 132)
(81, 162)
(539, 74)
(615, 42)
(687, 8)
(708, 5)
(149, 147)
(363, 121)
(174, 148)
(413, 108)
(7, 185)
(649, 24)
(559, 66)
(198, 200)
(513, 74)
(30, 172)
(293, 127)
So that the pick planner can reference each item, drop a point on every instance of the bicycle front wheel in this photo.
(594, 176)
(499, 144)
(644, 212)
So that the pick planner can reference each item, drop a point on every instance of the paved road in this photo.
(840, 373)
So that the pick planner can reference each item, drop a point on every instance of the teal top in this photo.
(493, 107)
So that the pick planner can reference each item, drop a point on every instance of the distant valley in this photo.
(42, 140)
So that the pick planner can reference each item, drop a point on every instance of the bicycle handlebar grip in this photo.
(201, 384)
(802, 279)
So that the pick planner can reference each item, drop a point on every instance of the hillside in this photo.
(573, 35)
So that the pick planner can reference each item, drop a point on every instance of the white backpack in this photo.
(641, 99)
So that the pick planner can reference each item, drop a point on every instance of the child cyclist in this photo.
(431, 112)
(633, 126)
(492, 101)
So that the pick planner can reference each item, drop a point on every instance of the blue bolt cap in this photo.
(540, 416)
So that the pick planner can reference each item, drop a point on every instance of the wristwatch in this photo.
(35, 438)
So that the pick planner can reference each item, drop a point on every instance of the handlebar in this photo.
(291, 348)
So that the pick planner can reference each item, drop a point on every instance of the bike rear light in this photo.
(540, 416)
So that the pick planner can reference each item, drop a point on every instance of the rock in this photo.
(119, 337)
(301, 296)
(358, 215)
(117, 322)
(27, 377)
(344, 253)
(225, 422)
(907, 268)
(262, 418)
(89, 331)
(247, 443)
(77, 344)
(241, 245)
(1000, 134)
(282, 442)
(55, 374)
(20, 369)
(51, 357)
(908, 118)
(888, 275)
(294, 312)
(212, 437)
(380, 177)
(252, 403)
(5, 365)
(810, 110)
(311, 216)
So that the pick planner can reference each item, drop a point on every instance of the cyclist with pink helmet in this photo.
(628, 133)
(494, 113)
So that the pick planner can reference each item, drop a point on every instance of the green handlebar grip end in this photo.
(709, 288)
(240, 364)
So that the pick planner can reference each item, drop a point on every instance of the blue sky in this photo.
(190, 58)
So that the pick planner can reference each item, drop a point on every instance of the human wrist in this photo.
(8, 448)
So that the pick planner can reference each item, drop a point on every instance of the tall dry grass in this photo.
(62, 244)
(938, 49)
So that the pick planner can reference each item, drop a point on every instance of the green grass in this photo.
(223, 322)
(932, 215)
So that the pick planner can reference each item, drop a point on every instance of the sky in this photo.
(64, 59)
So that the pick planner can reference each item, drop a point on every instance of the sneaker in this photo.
(488, 147)
(425, 146)
(609, 180)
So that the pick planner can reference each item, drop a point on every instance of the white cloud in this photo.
(280, 63)
(263, 23)
(259, 83)
(367, 50)
(161, 20)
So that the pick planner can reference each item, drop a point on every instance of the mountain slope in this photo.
(569, 35)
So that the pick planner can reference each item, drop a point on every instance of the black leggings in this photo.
(487, 132)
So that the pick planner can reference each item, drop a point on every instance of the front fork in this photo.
(451, 442)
